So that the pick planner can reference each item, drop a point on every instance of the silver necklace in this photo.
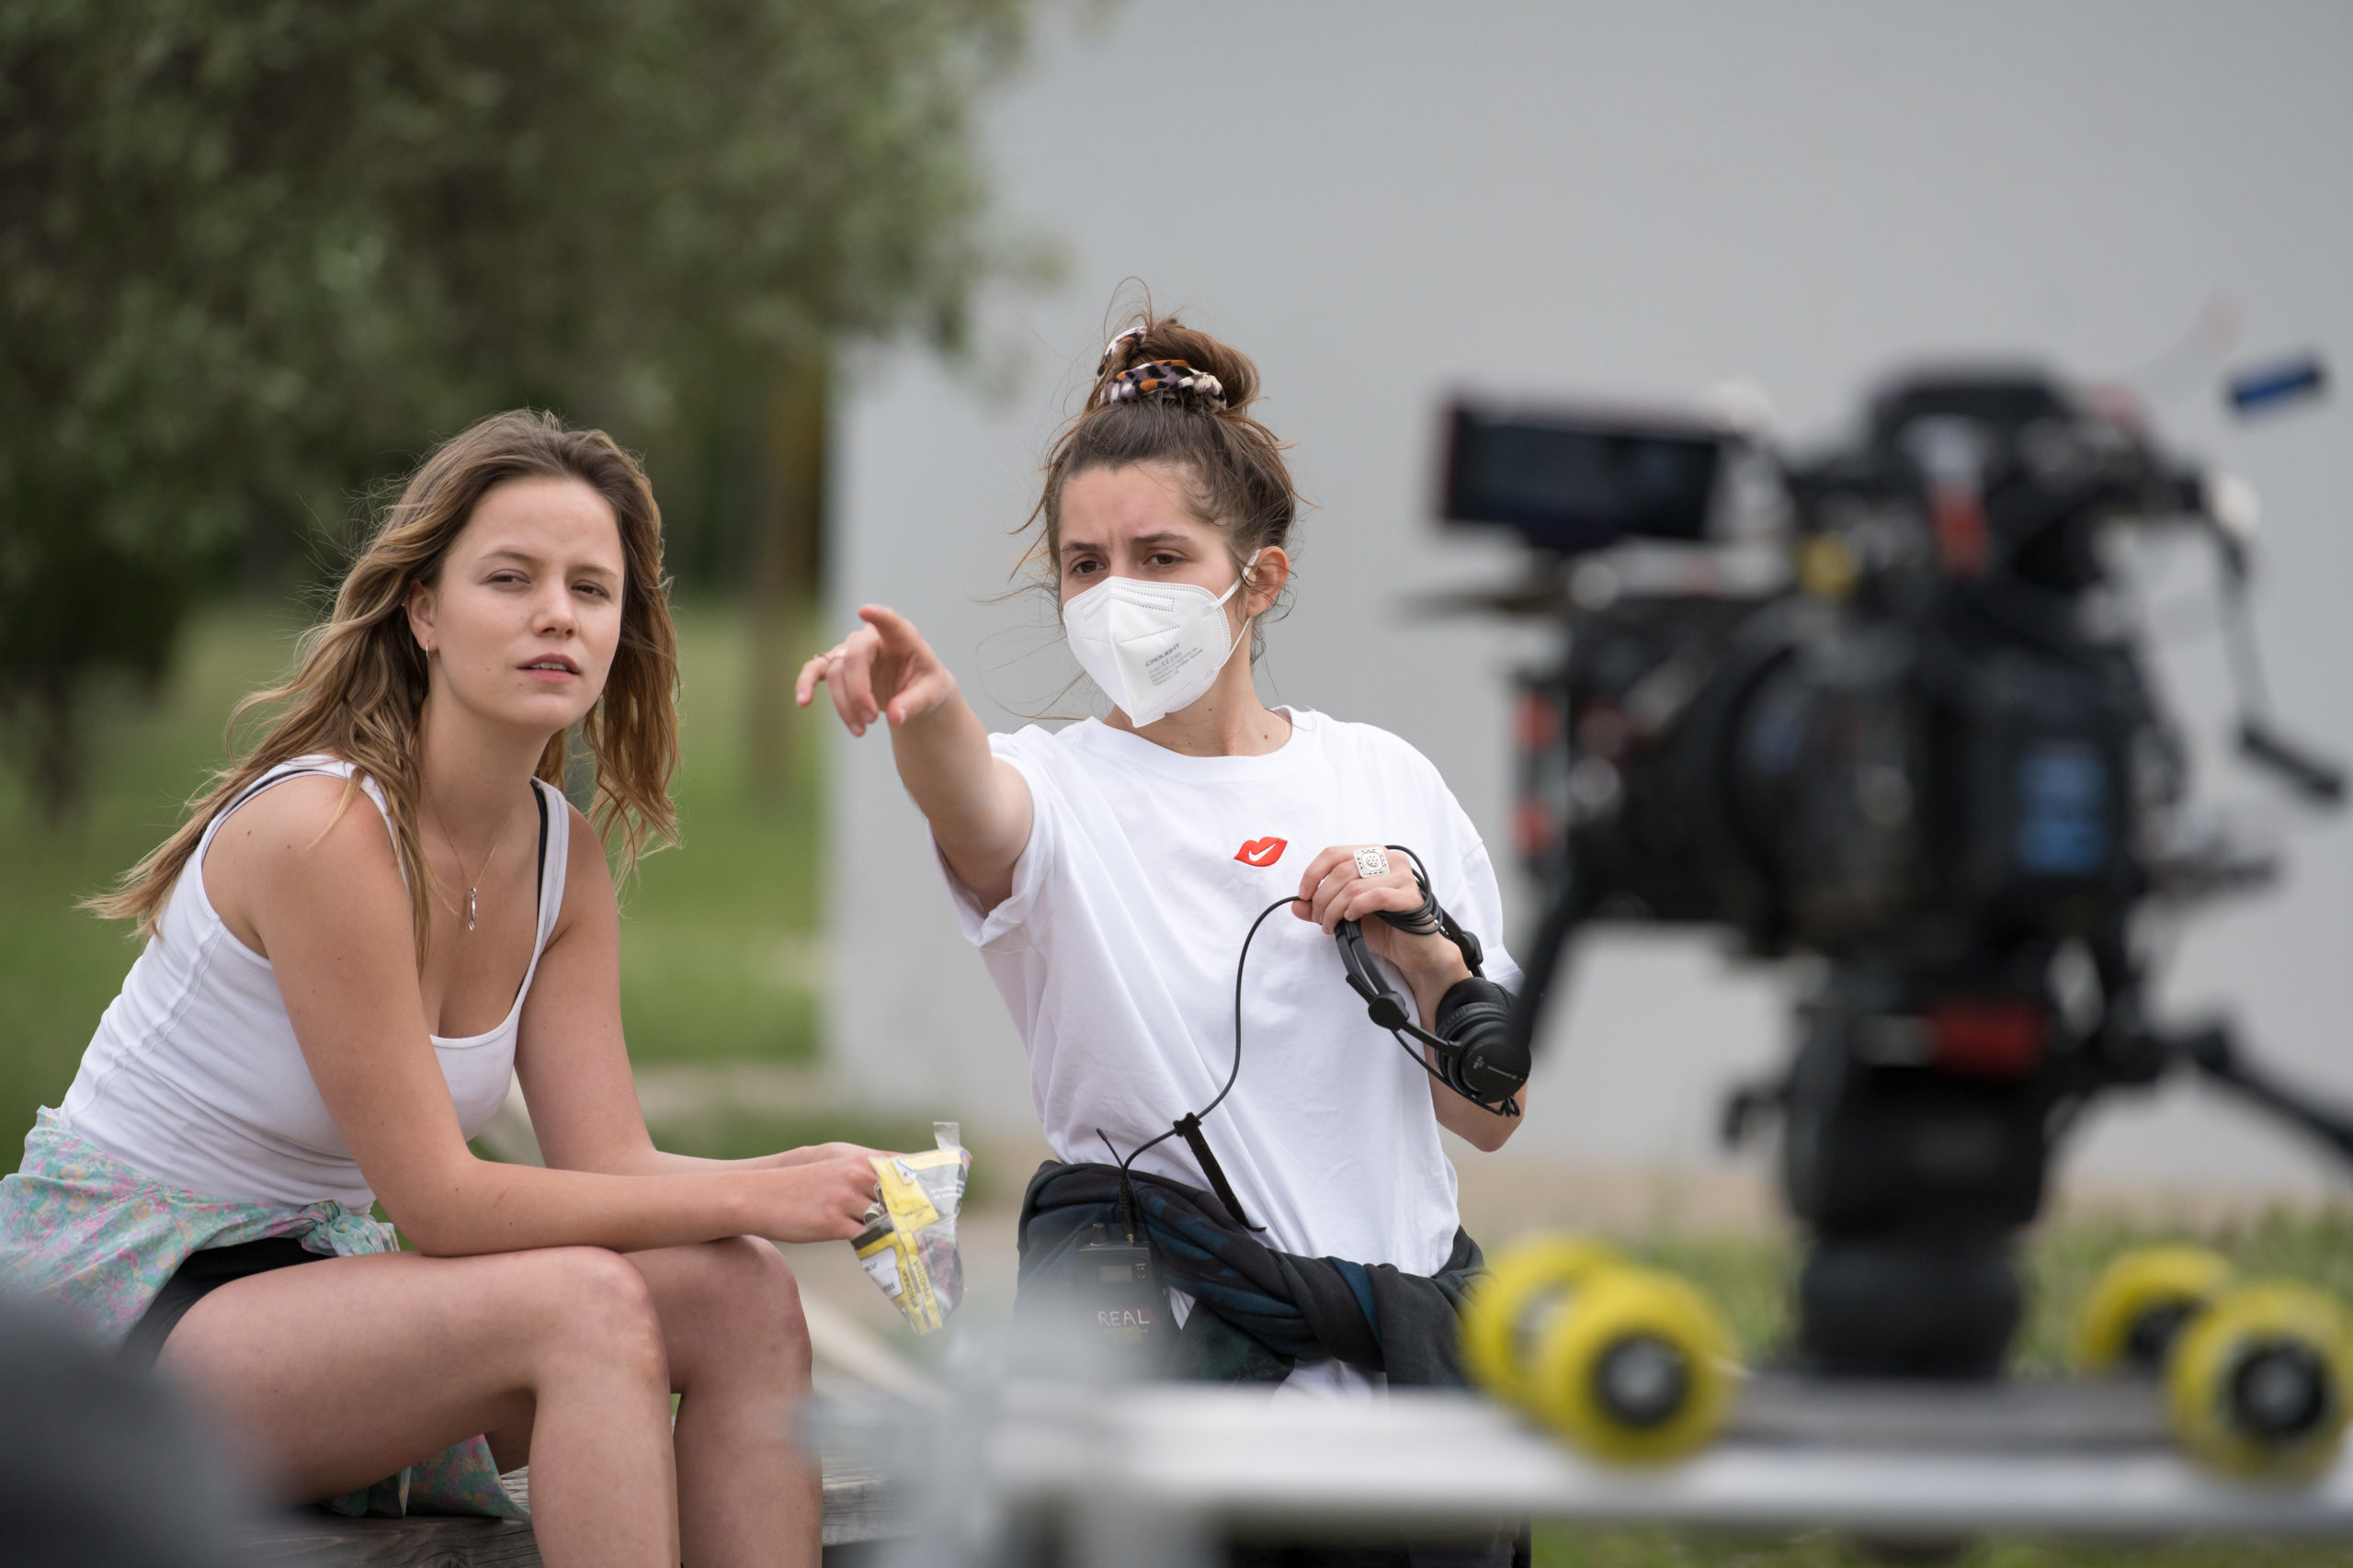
(474, 889)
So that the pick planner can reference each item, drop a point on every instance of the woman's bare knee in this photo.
(732, 1303)
(582, 1312)
(592, 1303)
(770, 1287)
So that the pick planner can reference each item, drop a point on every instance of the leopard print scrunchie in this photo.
(1155, 378)
(1172, 378)
(1133, 334)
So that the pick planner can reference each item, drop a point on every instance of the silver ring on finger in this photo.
(874, 1211)
(1372, 861)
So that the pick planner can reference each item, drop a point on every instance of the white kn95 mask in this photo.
(1152, 647)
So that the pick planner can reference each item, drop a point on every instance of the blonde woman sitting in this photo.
(362, 927)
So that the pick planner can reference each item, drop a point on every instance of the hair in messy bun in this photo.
(1165, 393)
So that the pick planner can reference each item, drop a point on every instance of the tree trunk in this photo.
(787, 558)
(59, 759)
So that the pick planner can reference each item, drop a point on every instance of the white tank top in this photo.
(195, 1079)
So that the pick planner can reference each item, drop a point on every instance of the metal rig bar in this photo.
(1158, 1473)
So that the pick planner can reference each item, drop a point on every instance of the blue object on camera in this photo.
(2273, 386)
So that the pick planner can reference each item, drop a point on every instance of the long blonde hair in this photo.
(359, 688)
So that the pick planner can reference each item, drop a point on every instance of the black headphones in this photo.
(1471, 1051)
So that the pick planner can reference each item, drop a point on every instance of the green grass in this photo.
(732, 1134)
(720, 948)
(718, 945)
(59, 968)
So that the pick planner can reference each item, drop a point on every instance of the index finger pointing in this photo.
(896, 629)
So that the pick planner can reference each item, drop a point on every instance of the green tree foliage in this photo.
(253, 251)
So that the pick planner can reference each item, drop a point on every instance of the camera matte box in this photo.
(1574, 479)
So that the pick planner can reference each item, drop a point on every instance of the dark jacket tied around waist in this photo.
(1257, 1311)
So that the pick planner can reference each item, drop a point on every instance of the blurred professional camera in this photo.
(1885, 709)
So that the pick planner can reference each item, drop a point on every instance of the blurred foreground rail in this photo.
(1158, 1476)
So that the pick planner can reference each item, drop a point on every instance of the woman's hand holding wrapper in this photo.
(822, 1194)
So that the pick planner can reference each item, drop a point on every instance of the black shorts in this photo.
(205, 1271)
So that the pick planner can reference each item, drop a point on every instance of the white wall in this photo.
(1380, 202)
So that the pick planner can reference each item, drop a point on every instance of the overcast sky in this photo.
(1383, 201)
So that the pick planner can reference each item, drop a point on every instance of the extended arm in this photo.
(979, 806)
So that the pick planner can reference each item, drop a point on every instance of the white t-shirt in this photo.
(1116, 951)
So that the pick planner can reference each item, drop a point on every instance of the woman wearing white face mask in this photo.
(1109, 871)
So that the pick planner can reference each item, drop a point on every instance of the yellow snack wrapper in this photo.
(911, 1252)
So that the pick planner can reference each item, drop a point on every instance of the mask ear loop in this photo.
(1240, 582)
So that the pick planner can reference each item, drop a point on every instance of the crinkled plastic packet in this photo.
(911, 1251)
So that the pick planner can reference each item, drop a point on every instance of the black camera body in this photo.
(1880, 709)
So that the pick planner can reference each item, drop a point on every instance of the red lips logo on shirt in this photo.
(1262, 851)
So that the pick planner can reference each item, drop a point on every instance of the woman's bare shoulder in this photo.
(587, 879)
(301, 840)
(313, 813)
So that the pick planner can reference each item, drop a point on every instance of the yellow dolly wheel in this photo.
(2257, 1384)
(1502, 1311)
(1635, 1368)
(2140, 1303)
